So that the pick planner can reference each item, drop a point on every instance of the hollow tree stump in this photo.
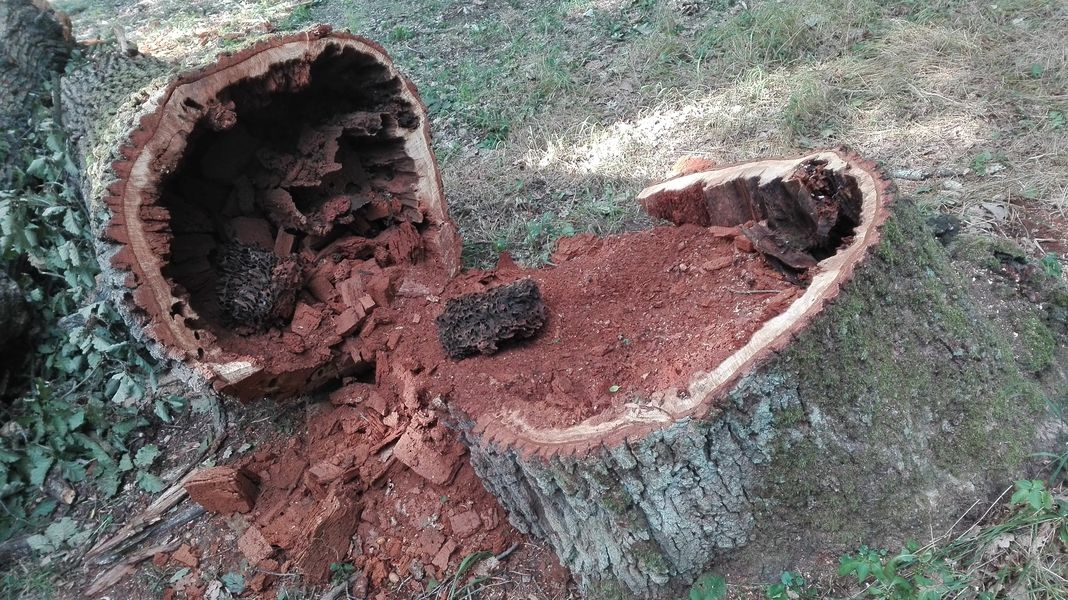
(878, 405)
(793, 364)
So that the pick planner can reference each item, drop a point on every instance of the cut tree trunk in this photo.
(792, 365)
(255, 210)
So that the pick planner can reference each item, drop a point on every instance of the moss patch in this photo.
(915, 391)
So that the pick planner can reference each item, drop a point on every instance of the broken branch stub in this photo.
(264, 208)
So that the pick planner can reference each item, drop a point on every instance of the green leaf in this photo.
(38, 168)
(40, 543)
(150, 483)
(71, 224)
(72, 471)
(125, 463)
(76, 420)
(161, 411)
(613, 389)
(709, 587)
(234, 582)
(61, 531)
(44, 509)
(146, 455)
(40, 462)
(107, 481)
(179, 574)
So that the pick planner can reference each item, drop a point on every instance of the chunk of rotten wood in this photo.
(223, 489)
(480, 322)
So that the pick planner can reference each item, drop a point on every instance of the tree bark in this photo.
(882, 404)
(34, 45)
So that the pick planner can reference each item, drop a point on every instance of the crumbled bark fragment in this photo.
(256, 287)
(479, 322)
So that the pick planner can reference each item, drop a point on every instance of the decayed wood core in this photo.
(825, 209)
(254, 177)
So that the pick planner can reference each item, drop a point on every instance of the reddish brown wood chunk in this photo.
(223, 490)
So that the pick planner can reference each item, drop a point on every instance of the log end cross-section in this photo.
(265, 200)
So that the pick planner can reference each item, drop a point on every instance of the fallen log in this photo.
(254, 210)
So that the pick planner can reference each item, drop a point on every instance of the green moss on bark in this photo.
(913, 400)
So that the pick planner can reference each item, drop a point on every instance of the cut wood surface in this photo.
(227, 205)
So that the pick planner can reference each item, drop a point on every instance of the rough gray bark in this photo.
(886, 418)
(34, 46)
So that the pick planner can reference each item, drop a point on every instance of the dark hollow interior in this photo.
(277, 168)
(796, 220)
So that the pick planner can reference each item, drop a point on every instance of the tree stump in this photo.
(793, 364)
(877, 405)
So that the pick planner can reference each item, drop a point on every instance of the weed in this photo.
(400, 33)
(86, 378)
(709, 587)
(297, 19)
(542, 233)
(791, 586)
(981, 162)
(457, 585)
(985, 562)
(339, 572)
(23, 582)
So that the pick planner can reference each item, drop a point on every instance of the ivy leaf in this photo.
(40, 544)
(70, 223)
(150, 483)
(40, 462)
(73, 472)
(108, 482)
(234, 582)
(146, 455)
(76, 420)
(61, 532)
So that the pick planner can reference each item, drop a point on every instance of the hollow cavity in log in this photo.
(267, 204)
